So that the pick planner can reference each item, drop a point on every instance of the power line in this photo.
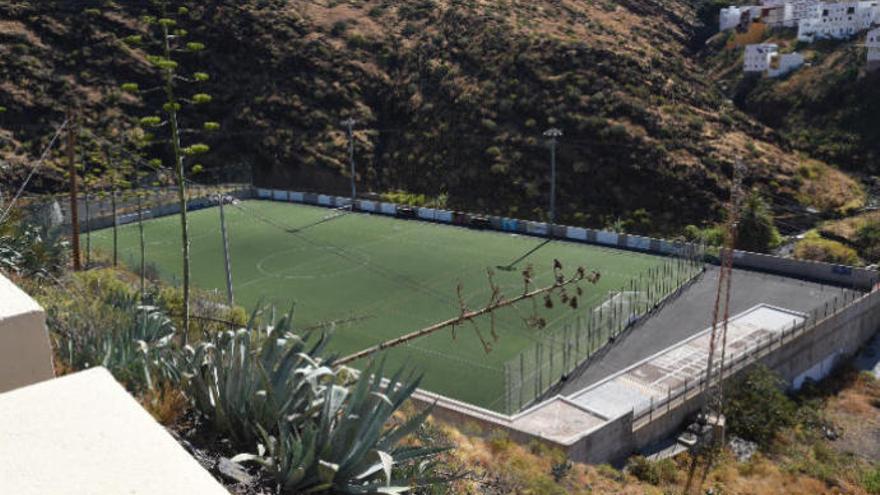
(33, 171)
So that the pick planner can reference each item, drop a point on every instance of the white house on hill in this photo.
(766, 59)
(839, 20)
(758, 57)
(873, 45)
(734, 16)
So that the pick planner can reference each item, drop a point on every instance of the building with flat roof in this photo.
(839, 20)
(759, 57)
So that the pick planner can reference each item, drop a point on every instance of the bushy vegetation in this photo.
(757, 407)
(868, 241)
(816, 248)
(654, 472)
(266, 388)
(32, 243)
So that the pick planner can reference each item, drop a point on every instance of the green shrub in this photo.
(868, 240)
(655, 473)
(32, 243)
(105, 324)
(757, 408)
(871, 481)
(826, 250)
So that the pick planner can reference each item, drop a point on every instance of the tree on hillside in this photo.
(756, 231)
(169, 43)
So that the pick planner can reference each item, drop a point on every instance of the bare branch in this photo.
(467, 316)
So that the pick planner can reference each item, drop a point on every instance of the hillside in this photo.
(451, 98)
(827, 109)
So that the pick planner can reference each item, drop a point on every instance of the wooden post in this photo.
(74, 201)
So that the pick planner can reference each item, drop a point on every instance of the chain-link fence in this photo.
(536, 370)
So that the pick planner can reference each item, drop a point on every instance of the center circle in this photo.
(319, 262)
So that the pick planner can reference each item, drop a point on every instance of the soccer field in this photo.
(394, 276)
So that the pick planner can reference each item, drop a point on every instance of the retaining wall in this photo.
(812, 349)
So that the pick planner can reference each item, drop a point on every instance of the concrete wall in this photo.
(611, 443)
(25, 351)
(841, 275)
(820, 346)
(83, 434)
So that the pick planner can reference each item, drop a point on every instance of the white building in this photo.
(734, 16)
(773, 13)
(800, 10)
(840, 20)
(758, 57)
(782, 64)
(873, 45)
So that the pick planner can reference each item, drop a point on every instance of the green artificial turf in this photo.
(394, 276)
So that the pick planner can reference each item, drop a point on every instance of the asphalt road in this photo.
(691, 312)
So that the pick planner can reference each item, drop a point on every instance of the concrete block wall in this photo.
(83, 434)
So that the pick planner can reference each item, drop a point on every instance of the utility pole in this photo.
(713, 396)
(74, 205)
(88, 216)
(111, 171)
(554, 135)
(230, 296)
(349, 123)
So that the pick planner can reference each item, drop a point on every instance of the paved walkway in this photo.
(691, 313)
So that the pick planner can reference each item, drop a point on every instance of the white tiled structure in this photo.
(25, 352)
(839, 20)
(873, 45)
(758, 57)
(83, 434)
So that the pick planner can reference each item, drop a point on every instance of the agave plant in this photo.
(132, 340)
(349, 448)
(268, 387)
(247, 379)
(32, 246)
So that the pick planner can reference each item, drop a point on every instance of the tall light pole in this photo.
(554, 134)
(349, 123)
(230, 295)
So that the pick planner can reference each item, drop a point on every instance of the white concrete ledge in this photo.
(25, 351)
(84, 434)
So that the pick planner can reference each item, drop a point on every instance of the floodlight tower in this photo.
(554, 134)
(349, 123)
